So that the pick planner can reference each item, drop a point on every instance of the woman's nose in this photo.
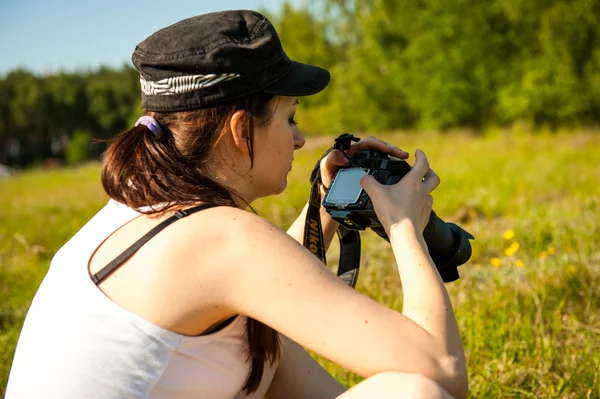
(299, 141)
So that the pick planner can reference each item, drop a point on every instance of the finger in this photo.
(336, 158)
(372, 143)
(420, 167)
(369, 184)
(431, 180)
(330, 164)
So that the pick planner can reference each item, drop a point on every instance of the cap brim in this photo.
(300, 80)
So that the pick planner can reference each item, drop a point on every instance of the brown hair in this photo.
(140, 169)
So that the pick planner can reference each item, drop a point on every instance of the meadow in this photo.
(527, 303)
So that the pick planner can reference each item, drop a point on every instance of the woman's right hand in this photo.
(409, 200)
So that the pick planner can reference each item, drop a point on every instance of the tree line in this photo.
(395, 64)
(55, 116)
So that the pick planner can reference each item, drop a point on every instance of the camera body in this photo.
(347, 202)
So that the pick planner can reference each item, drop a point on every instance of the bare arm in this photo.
(299, 376)
(272, 278)
(425, 309)
(296, 230)
(404, 227)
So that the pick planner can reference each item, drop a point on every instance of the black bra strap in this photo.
(106, 270)
(218, 326)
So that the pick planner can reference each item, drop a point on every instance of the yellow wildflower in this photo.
(512, 249)
(519, 263)
(508, 235)
(543, 255)
(551, 251)
(572, 269)
(495, 262)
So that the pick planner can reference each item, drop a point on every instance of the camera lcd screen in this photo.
(346, 187)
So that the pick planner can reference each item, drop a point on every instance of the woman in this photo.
(220, 303)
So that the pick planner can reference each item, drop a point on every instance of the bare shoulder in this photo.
(248, 252)
(230, 238)
(234, 226)
(246, 238)
(229, 225)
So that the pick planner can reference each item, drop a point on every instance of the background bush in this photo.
(78, 149)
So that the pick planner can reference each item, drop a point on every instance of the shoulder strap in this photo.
(106, 270)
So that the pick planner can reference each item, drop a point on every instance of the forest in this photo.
(395, 65)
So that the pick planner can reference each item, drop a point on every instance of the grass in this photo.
(528, 301)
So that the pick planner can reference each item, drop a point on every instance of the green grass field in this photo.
(527, 303)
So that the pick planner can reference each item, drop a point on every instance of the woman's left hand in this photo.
(336, 159)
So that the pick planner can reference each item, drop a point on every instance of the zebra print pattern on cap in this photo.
(182, 84)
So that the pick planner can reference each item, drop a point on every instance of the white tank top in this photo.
(77, 343)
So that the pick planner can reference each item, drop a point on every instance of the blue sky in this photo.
(44, 36)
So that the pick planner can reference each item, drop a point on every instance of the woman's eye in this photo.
(293, 121)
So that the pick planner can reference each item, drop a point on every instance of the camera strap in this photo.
(313, 229)
(314, 241)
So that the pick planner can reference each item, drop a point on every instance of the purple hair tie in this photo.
(152, 124)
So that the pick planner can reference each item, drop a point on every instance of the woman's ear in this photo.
(239, 134)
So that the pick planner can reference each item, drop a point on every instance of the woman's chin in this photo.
(282, 187)
(274, 191)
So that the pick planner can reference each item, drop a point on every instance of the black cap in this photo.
(213, 58)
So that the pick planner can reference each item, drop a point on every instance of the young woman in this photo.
(219, 303)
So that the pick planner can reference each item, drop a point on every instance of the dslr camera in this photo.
(349, 204)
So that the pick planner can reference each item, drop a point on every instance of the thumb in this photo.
(336, 158)
(369, 184)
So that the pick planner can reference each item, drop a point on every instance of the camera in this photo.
(350, 205)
